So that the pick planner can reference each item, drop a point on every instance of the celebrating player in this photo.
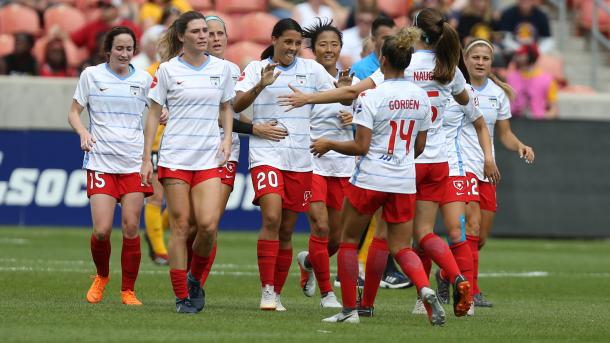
(281, 171)
(197, 89)
(388, 118)
(114, 94)
(330, 172)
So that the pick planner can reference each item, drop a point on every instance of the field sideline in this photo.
(543, 291)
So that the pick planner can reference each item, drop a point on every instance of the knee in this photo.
(272, 221)
(320, 230)
(102, 235)
(181, 227)
(207, 228)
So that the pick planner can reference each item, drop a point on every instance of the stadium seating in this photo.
(7, 44)
(241, 6)
(73, 55)
(68, 18)
(232, 24)
(585, 9)
(394, 8)
(201, 5)
(243, 53)
(257, 27)
(17, 18)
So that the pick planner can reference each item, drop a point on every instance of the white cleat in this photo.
(419, 307)
(278, 304)
(344, 317)
(309, 288)
(436, 313)
(330, 301)
(268, 299)
(470, 312)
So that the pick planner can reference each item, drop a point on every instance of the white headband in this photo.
(478, 41)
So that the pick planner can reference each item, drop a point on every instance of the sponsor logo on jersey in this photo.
(180, 82)
(215, 81)
(493, 102)
(135, 90)
(103, 89)
(301, 79)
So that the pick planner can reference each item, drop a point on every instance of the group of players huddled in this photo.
(423, 139)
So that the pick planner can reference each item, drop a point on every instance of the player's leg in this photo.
(153, 221)
(102, 214)
(473, 222)
(268, 246)
(314, 262)
(488, 205)
(376, 261)
(131, 209)
(284, 254)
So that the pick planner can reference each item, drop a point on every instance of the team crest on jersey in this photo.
(307, 195)
(154, 82)
(135, 90)
(494, 103)
(242, 76)
(215, 81)
(458, 184)
(230, 167)
(359, 108)
(301, 79)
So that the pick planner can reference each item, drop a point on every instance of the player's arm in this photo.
(226, 120)
(150, 128)
(420, 142)
(511, 142)
(243, 100)
(490, 169)
(86, 140)
(342, 94)
(357, 147)
(268, 130)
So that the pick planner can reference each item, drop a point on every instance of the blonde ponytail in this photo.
(508, 90)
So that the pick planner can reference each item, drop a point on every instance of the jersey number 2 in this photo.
(405, 137)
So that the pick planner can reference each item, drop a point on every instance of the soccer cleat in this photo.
(185, 306)
(129, 298)
(196, 293)
(419, 307)
(442, 288)
(268, 299)
(158, 259)
(434, 309)
(395, 280)
(345, 316)
(481, 301)
(470, 312)
(366, 311)
(462, 299)
(337, 282)
(330, 301)
(278, 304)
(308, 278)
(96, 291)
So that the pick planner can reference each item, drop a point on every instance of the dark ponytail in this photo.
(444, 39)
(279, 28)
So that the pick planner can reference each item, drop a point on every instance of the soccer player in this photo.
(114, 94)
(281, 171)
(330, 172)
(388, 118)
(197, 89)
(493, 96)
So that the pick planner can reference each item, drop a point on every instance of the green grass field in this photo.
(543, 291)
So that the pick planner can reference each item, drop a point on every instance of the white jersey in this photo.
(495, 105)
(291, 153)
(325, 123)
(235, 137)
(193, 96)
(420, 71)
(115, 105)
(454, 121)
(396, 111)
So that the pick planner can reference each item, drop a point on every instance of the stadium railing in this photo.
(597, 38)
(562, 8)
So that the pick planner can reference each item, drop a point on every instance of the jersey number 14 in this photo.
(394, 124)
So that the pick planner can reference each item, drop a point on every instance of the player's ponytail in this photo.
(508, 90)
(170, 45)
(437, 33)
(279, 28)
(398, 49)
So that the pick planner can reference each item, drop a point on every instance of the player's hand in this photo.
(268, 76)
(526, 153)
(86, 141)
(346, 118)
(319, 147)
(164, 116)
(491, 172)
(345, 78)
(225, 151)
(146, 172)
(270, 131)
(295, 100)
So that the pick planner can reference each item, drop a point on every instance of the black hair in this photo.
(382, 21)
(399, 48)
(279, 28)
(314, 31)
(115, 31)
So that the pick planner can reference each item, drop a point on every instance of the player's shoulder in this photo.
(140, 74)
(234, 67)
(94, 70)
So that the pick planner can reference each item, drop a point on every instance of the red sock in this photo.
(130, 262)
(208, 267)
(189, 251)
(347, 263)
(473, 241)
(332, 250)
(178, 278)
(412, 267)
(463, 258)
(376, 261)
(282, 267)
(267, 254)
(425, 260)
(198, 264)
(100, 251)
(319, 259)
(439, 252)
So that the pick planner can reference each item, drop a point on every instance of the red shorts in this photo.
(487, 196)
(294, 187)
(431, 180)
(192, 177)
(329, 190)
(397, 208)
(459, 189)
(227, 173)
(116, 185)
